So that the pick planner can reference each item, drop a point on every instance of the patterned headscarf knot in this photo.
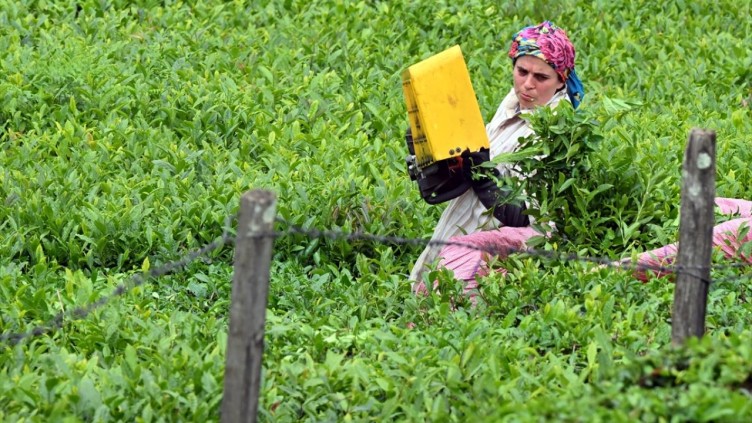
(550, 43)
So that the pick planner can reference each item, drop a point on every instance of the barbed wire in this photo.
(227, 238)
(623, 264)
(123, 288)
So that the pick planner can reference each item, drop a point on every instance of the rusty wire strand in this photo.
(227, 239)
(123, 288)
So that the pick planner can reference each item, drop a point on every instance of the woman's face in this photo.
(535, 81)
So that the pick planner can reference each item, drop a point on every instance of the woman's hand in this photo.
(483, 182)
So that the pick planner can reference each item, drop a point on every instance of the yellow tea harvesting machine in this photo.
(445, 124)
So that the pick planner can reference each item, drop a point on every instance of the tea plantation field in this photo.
(129, 130)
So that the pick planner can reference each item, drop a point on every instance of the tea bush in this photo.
(128, 130)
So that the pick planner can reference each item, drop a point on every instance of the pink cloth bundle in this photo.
(726, 237)
(466, 255)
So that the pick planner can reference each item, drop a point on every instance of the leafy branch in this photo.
(591, 196)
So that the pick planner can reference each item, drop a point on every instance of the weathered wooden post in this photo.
(250, 288)
(695, 237)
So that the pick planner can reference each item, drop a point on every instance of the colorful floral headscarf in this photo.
(550, 43)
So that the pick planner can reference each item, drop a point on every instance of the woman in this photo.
(543, 74)
(543, 67)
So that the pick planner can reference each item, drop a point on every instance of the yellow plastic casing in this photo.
(444, 115)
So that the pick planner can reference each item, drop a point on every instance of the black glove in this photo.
(483, 182)
(471, 163)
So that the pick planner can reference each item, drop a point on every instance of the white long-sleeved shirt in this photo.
(465, 214)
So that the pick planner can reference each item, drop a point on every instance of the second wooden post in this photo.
(695, 237)
(250, 288)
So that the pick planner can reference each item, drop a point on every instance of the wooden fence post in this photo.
(695, 237)
(250, 288)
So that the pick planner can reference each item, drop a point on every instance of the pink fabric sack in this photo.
(466, 255)
(726, 237)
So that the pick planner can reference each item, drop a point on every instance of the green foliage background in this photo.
(130, 129)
